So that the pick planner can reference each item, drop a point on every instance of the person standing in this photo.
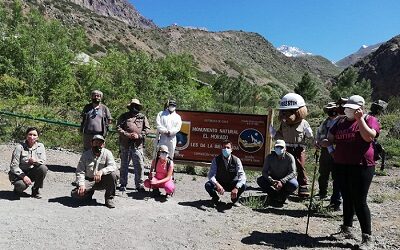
(353, 136)
(279, 174)
(28, 164)
(326, 162)
(96, 171)
(226, 174)
(96, 118)
(168, 125)
(133, 128)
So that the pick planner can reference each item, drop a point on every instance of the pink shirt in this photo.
(161, 168)
(351, 148)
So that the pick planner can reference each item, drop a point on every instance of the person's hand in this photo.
(81, 190)
(133, 135)
(27, 180)
(153, 181)
(278, 185)
(97, 176)
(234, 193)
(220, 189)
(31, 161)
(358, 114)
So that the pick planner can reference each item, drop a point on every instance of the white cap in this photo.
(354, 102)
(291, 101)
(280, 143)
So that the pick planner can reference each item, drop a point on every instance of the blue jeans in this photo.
(136, 155)
(289, 187)
(211, 189)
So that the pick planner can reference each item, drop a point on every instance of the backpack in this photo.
(378, 149)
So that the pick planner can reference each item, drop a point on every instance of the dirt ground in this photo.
(185, 221)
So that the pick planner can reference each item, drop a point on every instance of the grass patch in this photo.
(254, 202)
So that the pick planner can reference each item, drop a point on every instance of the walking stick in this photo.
(316, 155)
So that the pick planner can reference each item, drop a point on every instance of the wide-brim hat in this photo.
(134, 101)
(355, 102)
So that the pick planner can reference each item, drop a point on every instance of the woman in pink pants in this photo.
(163, 167)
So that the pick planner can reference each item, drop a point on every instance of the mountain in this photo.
(381, 67)
(116, 23)
(357, 56)
(292, 51)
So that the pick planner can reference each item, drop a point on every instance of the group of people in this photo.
(346, 140)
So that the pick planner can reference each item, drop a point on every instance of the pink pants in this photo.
(168, 186)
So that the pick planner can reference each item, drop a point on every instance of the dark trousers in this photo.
(288, 188)
(299, 155)
(326, 166)
(211, 189)
(36, 174)
(107, 182)
(354, 182)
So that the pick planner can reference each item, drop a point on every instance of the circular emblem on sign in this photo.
(250, 140)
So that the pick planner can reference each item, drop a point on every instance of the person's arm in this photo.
(241, 174)
(120, 126)
(110, 162)
(292, 168)
(177, 125)
(41, 154)
(368, 134)
(160, 127)
(15, 161)
(80, 171)
(108, 115)
(266, 169)
(213, 171)
(146, 128)
(308, 130)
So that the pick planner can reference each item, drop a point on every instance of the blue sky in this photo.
(331, 28)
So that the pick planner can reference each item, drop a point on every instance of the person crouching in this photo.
(279, 174)
(163, 168)
(96, 171)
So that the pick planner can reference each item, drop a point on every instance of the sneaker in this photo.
(214, 201)
(36, 193)
(110, 203)
(367, 242)
(21, 194)
(344, 233)
(122, 188)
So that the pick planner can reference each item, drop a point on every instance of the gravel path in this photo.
(184, 221)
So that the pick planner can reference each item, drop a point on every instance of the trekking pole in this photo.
(311, 197)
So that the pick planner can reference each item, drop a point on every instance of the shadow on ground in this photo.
(285, 240)
(71, 202)
(204, 204)
(10, 195)
(61, 168)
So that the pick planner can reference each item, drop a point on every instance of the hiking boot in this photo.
(303, 191)
(110, 203)
(367, 242)
(333, 207)
(141, 189)
(345, 233)
(122, 188)
(36, 194)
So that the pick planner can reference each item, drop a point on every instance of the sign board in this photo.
(202, 134)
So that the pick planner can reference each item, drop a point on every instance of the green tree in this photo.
(307, 87)
(348, 85)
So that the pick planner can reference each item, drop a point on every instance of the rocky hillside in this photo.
(116, 23)
(382, 68)
(357, 56)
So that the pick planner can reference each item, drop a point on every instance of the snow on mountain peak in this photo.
(290, 51)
